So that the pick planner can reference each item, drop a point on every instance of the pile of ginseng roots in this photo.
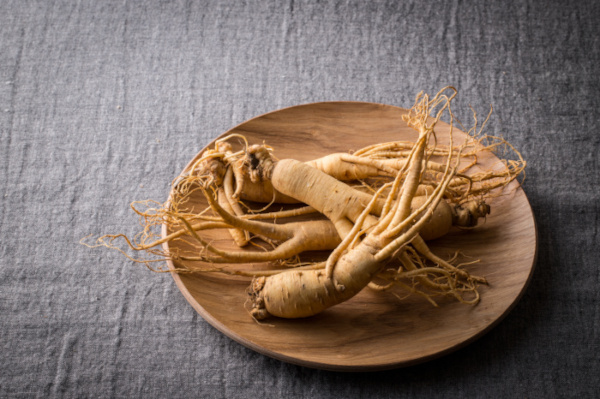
(368, 215)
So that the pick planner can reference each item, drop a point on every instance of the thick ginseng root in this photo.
(346, 167)
(341, 203)
(379, 161)
(337, 201)
(352, 265)
(296, 294)
(240, 237)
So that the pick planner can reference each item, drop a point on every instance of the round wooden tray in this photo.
(371, 331)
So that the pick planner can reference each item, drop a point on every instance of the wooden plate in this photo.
(372, 330)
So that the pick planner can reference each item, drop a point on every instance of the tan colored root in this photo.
(348, 273)
(424, 250)
(297, 238)
(353, 234)
(427, 281)
(351, 167)
(240, 237)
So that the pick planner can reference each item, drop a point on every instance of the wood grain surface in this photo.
(373, 330)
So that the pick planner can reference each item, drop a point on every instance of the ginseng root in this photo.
(353, 264)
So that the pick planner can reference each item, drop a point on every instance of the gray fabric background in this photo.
(104, 102)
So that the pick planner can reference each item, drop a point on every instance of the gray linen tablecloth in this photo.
(104, 102)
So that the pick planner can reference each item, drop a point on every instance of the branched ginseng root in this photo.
(408, 193)
(354, 263)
